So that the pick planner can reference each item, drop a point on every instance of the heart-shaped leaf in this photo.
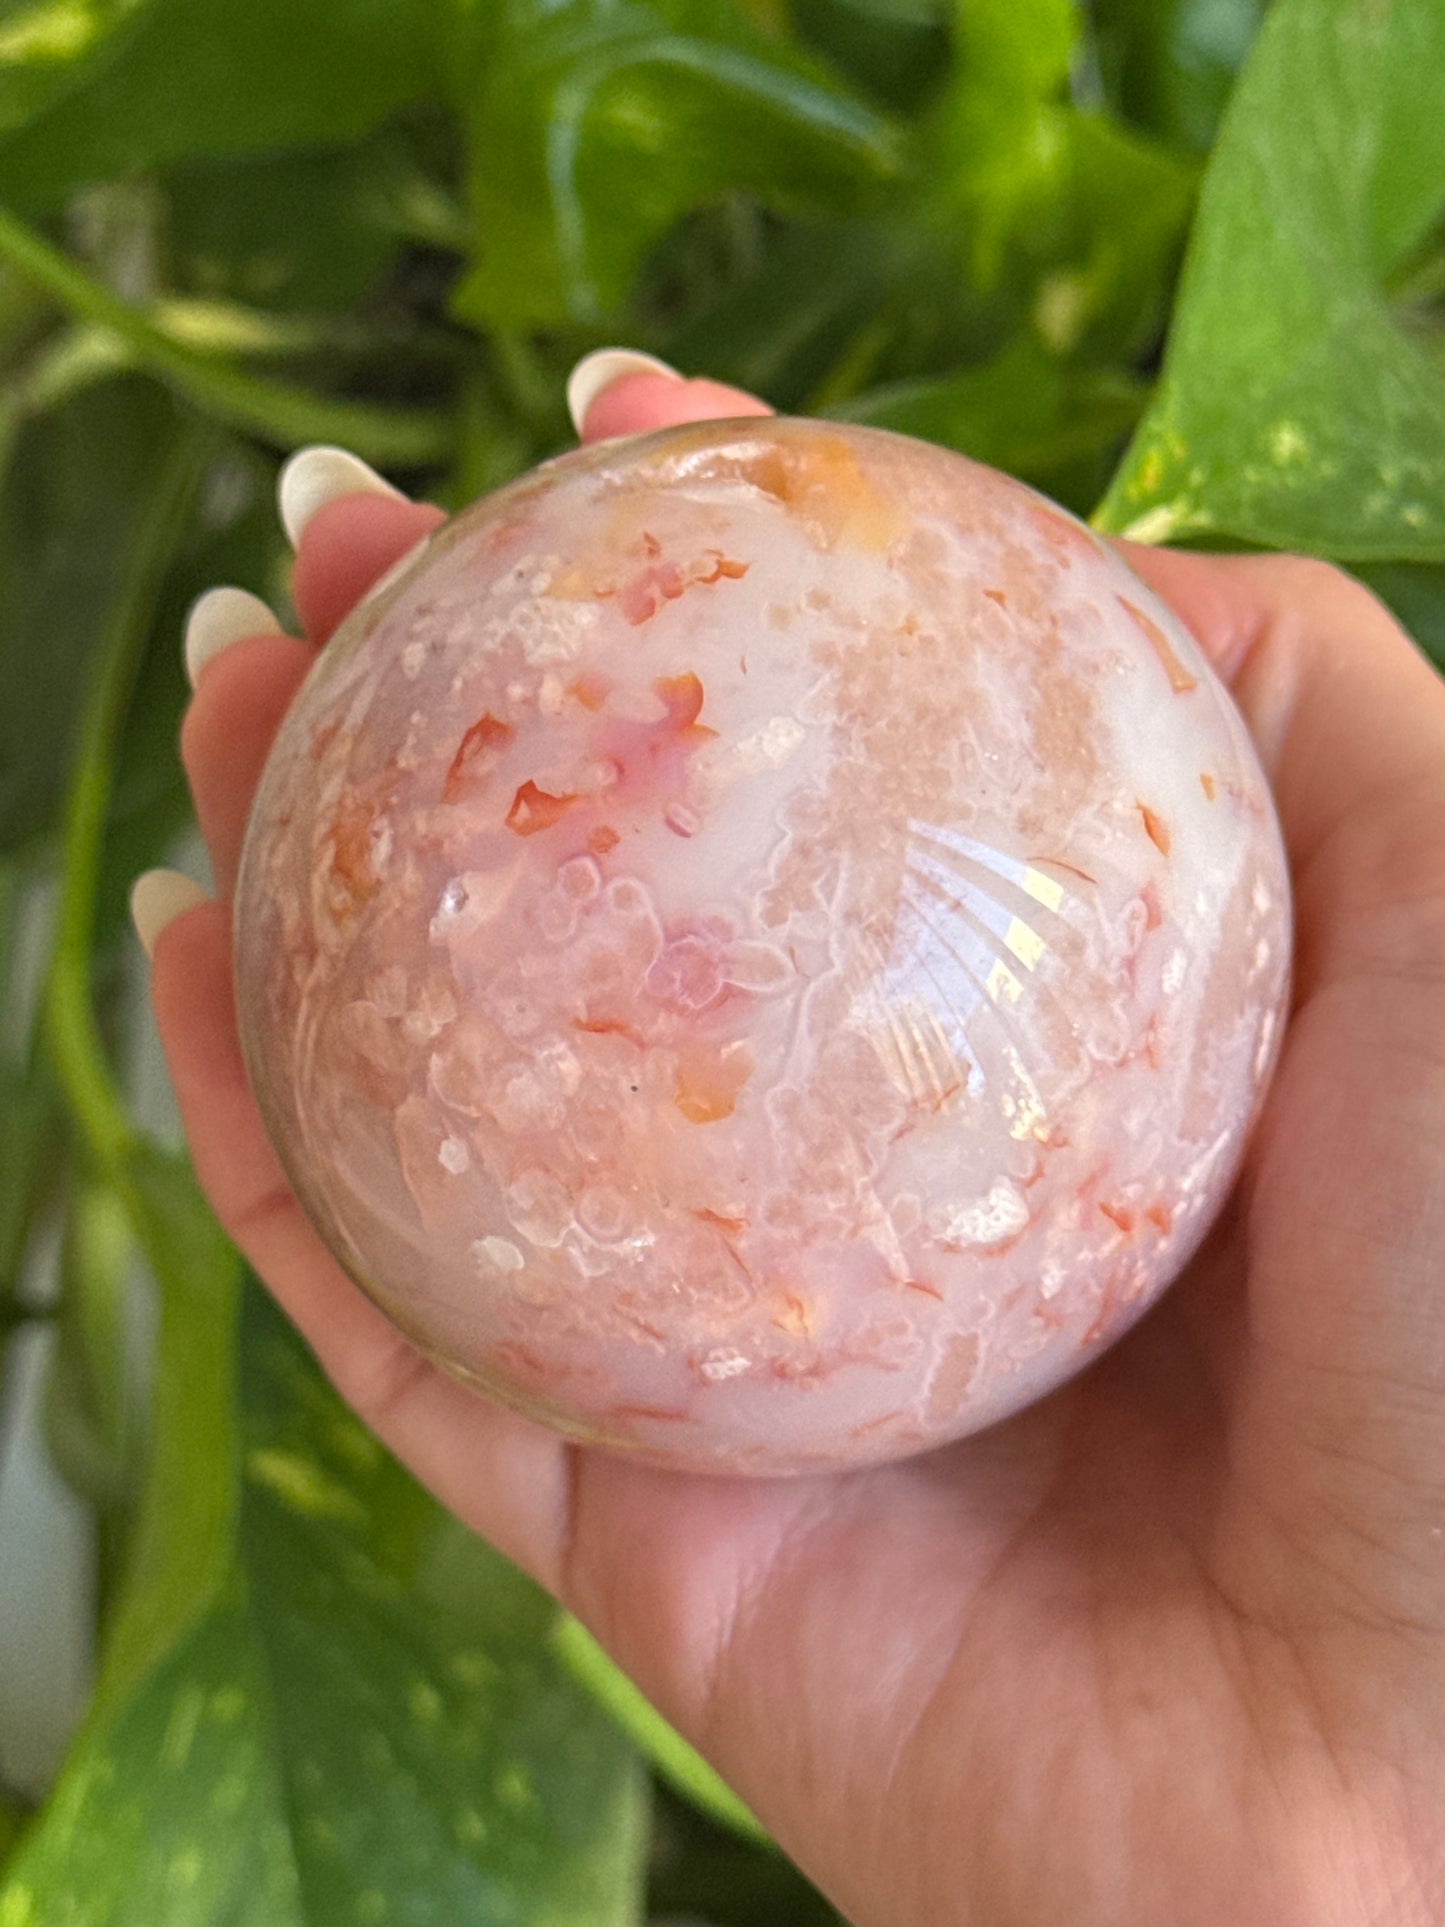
(325, 1705)
(1295, 411)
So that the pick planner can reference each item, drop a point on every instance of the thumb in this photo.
(1341, 1401)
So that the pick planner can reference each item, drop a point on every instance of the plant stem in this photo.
(182, 1529)
(281, 413)
(72, 1032)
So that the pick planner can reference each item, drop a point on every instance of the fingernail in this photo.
(158, 897)
(315, 476)
(217, 619)
(600, 369)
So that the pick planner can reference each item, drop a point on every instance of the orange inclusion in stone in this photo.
(929, 1291)
(1180, 680)
(591, 689)
(663, 580)
(644, 595)
(1157, 829)
(708, 1082)
(648, 755)
(486, 733)
(602, 839)
(533, 809)
(682, 698)
(351, 862)
(794, 1316)
(733, 1226)
(604, 1026)
(821, 479)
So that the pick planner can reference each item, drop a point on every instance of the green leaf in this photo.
(1415, 592)
(1020, 47)
(896, 50)
(329, 1740)
(13, 1816)
(1294, 411)
(1053, 425)
(43, 44)
(295, 230)
(1063, 216)
(234, 538)
(29, 1144)
(703, 1874)
(182, 1546)
(73, 498)
(594, 126)
(781, 328)
(93, 1419)
(1017, 214)
(669, 1754)
(1169, 65)
(167, 79)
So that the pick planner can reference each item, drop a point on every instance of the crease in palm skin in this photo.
(1169, 1644)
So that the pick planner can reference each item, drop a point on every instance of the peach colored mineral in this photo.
(761, 945)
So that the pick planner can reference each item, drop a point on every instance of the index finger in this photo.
(243, 693)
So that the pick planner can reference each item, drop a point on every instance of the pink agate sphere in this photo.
(761, 944)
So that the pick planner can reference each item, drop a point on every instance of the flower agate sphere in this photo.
(761, 944)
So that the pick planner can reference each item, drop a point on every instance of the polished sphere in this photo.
(760, 945)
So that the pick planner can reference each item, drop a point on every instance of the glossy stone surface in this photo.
(762, 945)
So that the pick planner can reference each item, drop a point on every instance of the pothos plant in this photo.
(1181, 263)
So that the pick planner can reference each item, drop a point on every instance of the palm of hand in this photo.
(1171, 1645)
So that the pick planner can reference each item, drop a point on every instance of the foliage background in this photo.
(229, 229)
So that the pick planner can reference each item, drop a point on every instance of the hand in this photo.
(1168, 1647)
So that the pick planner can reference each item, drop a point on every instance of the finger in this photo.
(616, 392)
(504, 1476)
(1343, 1404)
(245, 687)
(347, 548)
(1349, 721)
(227, 734)
(348, 525)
